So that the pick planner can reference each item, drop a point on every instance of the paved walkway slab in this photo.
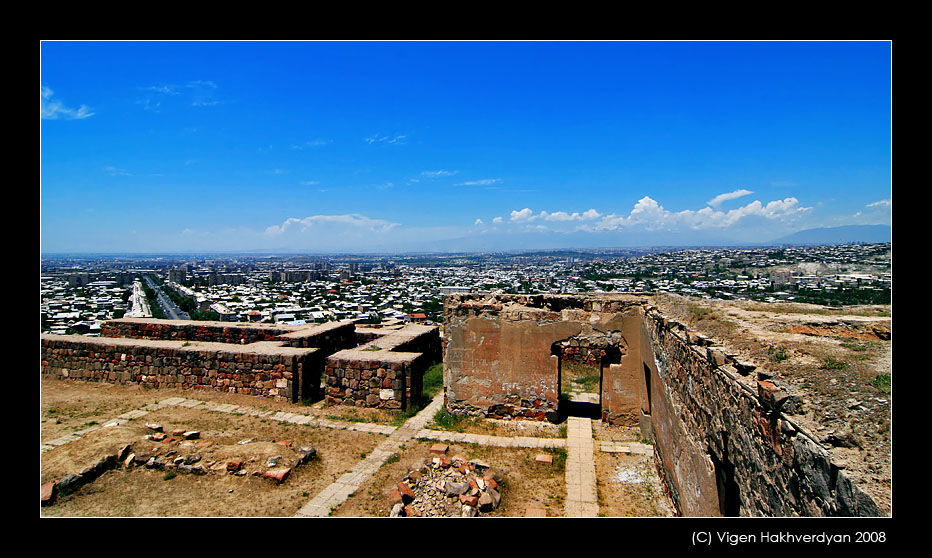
(581, 496)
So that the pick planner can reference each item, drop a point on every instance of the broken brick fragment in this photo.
(407, 494)
(278, 475)
(468, 500)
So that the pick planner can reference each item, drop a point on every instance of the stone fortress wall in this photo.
(722, 444)
(281, 362)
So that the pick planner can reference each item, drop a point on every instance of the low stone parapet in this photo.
(191, 330)
(266, 369)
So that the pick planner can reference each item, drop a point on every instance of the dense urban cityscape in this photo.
(79, 293)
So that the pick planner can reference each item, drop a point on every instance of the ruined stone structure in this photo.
(722, 447)
(384, 372)
(282, 362)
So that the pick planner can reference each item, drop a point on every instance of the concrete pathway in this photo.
(581, 497)
(337, 493)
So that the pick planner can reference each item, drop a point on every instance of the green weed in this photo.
(831, 363)
(882, 382)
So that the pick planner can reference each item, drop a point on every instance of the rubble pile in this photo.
(447, 487)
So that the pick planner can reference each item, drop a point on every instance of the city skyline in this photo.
(393, 146)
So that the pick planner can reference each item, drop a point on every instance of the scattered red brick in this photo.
(467, 500)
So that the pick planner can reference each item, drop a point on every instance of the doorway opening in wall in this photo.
(580, 374)
(647, 385)
(729, 500)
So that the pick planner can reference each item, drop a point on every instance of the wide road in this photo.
(172, 312)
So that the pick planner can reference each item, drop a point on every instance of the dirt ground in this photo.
(837, 360)
(68, 406)
(526, 483)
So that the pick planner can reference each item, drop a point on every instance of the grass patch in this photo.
(790, 308)
(449, 421)
(169, 475)
(883, 382)
(432, 384)
(433, 381)
(559, 457)
(698, 313)
(588, 383)
(831, 363)
(777, 354)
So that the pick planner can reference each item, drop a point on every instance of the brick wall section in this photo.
(367, 334)
(263, 369)
(387, 372)
(379, 379)
(189, 330)
(705, 422)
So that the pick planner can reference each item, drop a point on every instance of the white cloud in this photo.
(309, 183)
(483, 182)
(478, 222)
(717, 200)
(438, 173)
(200, 93)
(391, 140)
(50, 109)
(497, 220)
(115, 171)
(524, 215)
(648, 214)
(312, 143)
(575, 216)
(332, 222)
(881, 203)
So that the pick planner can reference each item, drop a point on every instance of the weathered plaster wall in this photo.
(499, 360)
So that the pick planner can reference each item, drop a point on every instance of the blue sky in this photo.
(391, 146)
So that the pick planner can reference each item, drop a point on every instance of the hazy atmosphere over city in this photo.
(322, 147)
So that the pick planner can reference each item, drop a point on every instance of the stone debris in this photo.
(445, 487)
(47, 493)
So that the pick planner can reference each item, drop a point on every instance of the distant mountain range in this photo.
(645, 239)
(869, 234)
(487, 243)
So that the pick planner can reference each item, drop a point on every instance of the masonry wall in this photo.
(365, 379)
(387, 372)
(722, 450)
(261, 369)
(720, 445)
(499, 356)
(189, 330)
